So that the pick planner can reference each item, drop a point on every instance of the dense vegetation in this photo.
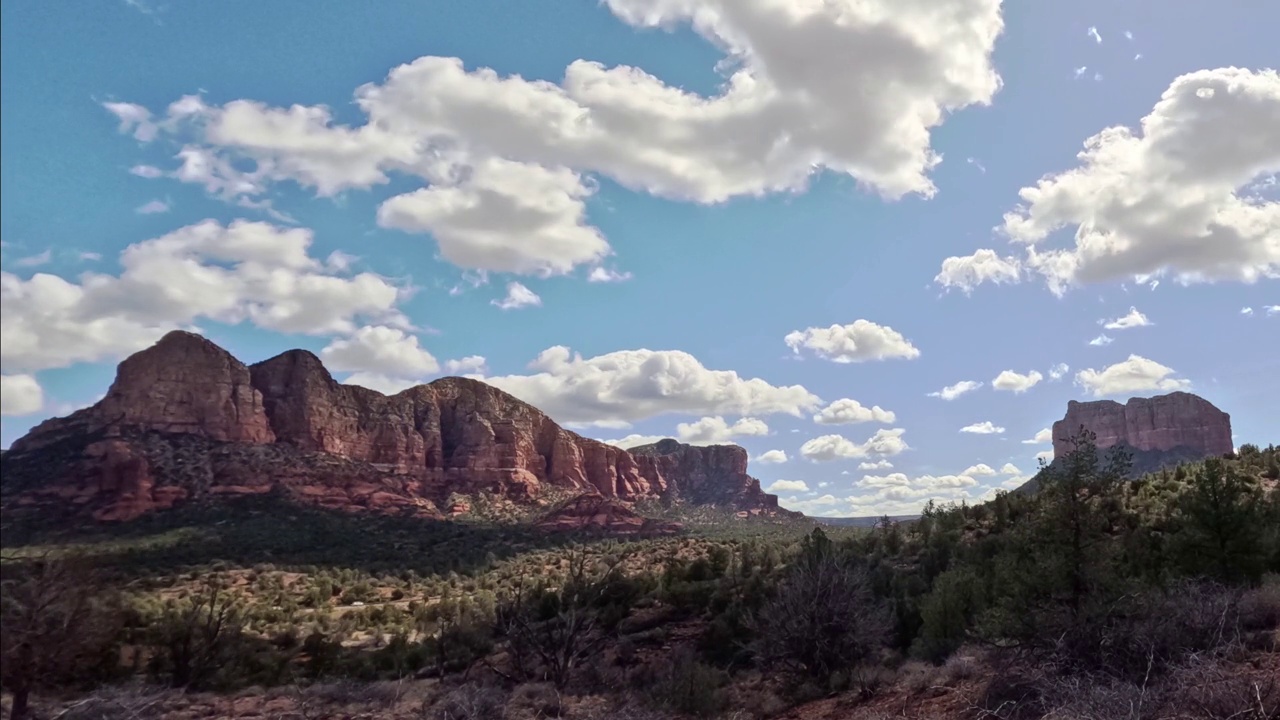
(1094, 597)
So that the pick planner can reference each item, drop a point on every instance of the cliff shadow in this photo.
(260, 530)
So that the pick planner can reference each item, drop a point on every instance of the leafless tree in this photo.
(200, 636)
(570, 635)
(824, 618)
(55, 621)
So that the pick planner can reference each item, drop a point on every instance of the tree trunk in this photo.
(21, 697)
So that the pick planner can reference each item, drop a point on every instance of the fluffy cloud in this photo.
(859, 341)
(1167, 199)
(979, 470)
(780, 117)
(470, 365)
(518, 296)
(986, 427)
(880, 464)
(1057, 372)
(772, 457)
(828, 448)
(1132, 320)
(900, 494)
(951, 392)
(922, 485)
(20, 395)
(602, 274)
(1041, 437)
(1010, 469)
(1014, 382)
(848, 412)
(1136, 374)
(379, 349)
(245, 271)
(716, 430)
(788, 486)
(1102, 340)
(966, 272)
(506, 217)
(630, 385)
(380, 358)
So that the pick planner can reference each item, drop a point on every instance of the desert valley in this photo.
(272, 543)
(639, 360)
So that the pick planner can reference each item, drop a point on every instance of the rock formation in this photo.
(1160, 430)
(602, 514)
(185, 420)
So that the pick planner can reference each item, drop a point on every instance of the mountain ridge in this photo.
(284, 424)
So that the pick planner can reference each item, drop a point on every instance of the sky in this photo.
(878, 243)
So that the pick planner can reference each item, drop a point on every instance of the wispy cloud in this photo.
(154, 207)
(35, 260)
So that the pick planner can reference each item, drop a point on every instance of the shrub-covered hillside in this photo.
(1095, 597)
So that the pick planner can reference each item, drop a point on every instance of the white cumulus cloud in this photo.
(986, 427)
(245, 271)
(504, 159)
(828, 448)
(630, 385)
(966, 272)
(517, 296)
(1135, 374)
(859, 341)
(1133, 319)
(772, 457)
(1011, 381)
(787, 486)
(846, 411)
(20, 394)
(1167, 198)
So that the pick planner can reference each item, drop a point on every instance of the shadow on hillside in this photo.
(252, 531)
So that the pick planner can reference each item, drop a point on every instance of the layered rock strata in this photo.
(286, 425)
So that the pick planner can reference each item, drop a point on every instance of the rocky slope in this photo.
(185, 420)
(1158, 431)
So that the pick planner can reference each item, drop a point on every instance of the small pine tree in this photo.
(1223, 512)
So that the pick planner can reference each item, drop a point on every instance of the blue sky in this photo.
(719, 221)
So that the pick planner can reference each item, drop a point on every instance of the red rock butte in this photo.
(1165, 423)
(184, 419)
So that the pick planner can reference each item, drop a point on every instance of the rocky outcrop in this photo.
(182, 384)
(594, 513)
(337, 445)
(1158, 424)
(706, 475)
(1158, 431)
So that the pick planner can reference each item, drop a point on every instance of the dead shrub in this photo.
(1011, 696)
(917, 676)
(1260, 608)
(467, 702)
(121, 702)
(1214, 690)
(538, 699)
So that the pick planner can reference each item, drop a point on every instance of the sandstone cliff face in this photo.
(1165, 423)
(182, 384)
(715, 474)
(336, 445)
